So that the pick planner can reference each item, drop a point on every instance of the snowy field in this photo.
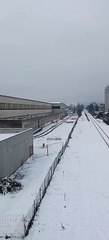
(14, 206)
(76, 205)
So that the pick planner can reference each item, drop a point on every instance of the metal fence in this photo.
(22, 226)
(47, 149)
(8, 226)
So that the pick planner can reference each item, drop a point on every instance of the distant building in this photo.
(59, 107)
(102, 107)
(106, 98)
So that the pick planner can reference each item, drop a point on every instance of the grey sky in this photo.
(54, 50)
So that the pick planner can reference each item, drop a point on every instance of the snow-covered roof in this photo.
(56, 102)
(4, 136)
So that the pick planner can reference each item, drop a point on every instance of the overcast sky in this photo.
(54, 50)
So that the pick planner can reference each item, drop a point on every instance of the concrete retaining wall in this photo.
(11, 130)
(14, 151)
(39, 122)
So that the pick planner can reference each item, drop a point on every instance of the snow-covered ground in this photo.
(100, 122)
(103, 125)
(31, 175)
(76, 205)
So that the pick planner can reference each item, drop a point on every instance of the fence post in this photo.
(47, 149)
(24, 220)
(34, 207)
(40, 193)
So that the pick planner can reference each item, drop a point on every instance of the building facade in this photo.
(25, 113)
(18, 107)
(106, 98)
(59, 107)
(14, 151)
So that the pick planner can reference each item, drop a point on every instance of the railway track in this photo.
(49, 130)
(103, 134)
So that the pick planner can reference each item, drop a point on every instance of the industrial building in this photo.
(24, 113)
(106, 98)
(18, 107)
(19, 118)
(16, 146)
(59, 107)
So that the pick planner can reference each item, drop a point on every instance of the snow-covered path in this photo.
(76, 205)
(31, 175)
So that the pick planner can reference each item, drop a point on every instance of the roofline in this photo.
(27, 99)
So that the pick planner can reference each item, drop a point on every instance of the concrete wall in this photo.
(49, 119)
(14, 151)
(39, 122)
(11, 130)
(35, 122)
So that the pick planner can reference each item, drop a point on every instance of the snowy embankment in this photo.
(76, 204)
(31, 175)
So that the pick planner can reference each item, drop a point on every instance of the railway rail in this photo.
(49, 130)
(103, 134)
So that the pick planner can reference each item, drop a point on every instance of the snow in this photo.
(4, 136)
(76, 205)
(103, 125)
(72, 119)
(31, 175)
(46, 128)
